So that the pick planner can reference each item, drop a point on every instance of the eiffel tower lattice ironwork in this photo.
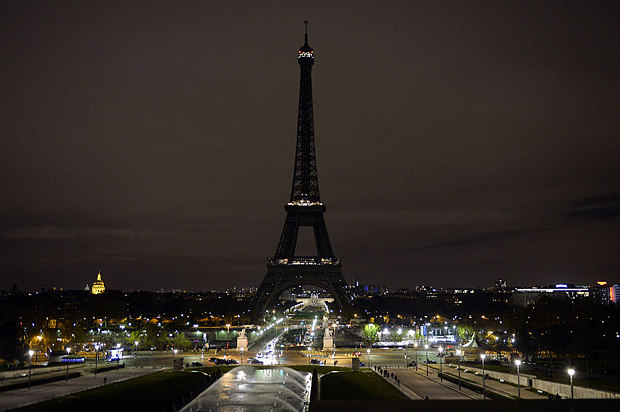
(286, 270)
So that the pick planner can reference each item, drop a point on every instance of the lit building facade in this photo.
(98, 285)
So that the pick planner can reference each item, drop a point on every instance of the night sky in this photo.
(457, 142)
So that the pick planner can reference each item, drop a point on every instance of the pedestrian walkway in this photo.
(429, 387)
(494, 385)
(22, 397)
(56, 373)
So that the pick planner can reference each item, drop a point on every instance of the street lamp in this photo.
(227, 337)
(426, 348)
(96, 357)
(440, 363)
(136, 354)
(518, 363)
(415, 344)
(241, 356)
(204, 343)
(30, 353)
(368, 357)
(484, 381)
(68, 352)
(458, 360)
(571, 372)
(118, 357)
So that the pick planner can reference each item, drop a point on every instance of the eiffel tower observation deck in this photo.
(286, 269)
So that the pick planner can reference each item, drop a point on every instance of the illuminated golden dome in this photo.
(98, 286)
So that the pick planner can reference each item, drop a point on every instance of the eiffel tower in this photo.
(286, 270)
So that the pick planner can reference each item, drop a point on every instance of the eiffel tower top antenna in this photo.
(306, 23)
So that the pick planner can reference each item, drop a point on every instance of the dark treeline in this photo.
(449, 305)
(568, 330)
(37, 308)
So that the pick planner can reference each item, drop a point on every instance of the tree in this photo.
(181, 342)
(464, 332)
(154, 337)
(370, 333)
(10, 341)
(137, 336)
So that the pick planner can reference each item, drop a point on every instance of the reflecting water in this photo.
(246, 388)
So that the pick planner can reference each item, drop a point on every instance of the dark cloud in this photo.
(600, 207)
(485, 237)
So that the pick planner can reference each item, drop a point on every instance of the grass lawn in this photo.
(154, 392)
(357, 385)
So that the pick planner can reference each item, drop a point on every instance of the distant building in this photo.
(605, 293)
(439, 334)
(614, 293)
(529, 296)
(371, 290)
(98, 285)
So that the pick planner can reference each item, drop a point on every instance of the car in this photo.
(315, 361)
(196, 364)
(213, 359)
(255, 361)
(358, 353)
(231, 362)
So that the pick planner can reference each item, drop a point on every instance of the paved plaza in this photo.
(21, 397)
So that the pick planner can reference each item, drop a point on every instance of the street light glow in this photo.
(518, 362)
(482, 356)
(571, 372)
(30, 353)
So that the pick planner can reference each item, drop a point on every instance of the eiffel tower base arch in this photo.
(280, 278)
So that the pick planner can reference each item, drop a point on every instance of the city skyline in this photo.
(456, 144)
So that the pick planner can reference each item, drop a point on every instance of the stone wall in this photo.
(36, 371)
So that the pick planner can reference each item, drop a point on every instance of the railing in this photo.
(304, 260)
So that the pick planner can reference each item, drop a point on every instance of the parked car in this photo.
(196, 364)
(315, 361)
(255, 361)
